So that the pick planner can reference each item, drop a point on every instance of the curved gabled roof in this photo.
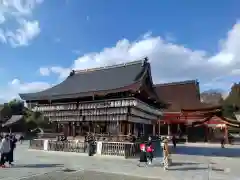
(178, 95)
(109, 79)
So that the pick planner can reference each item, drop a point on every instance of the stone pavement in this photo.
(39, 165)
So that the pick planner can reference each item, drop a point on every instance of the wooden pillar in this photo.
(154, 129)
(73, 129)
(143, 129)
(65, 129)
(123, 128)
(129, 127)
(94, 127)
(135, 129)
(178, 128)
(206, 133)
(56, 127)
(69, 129)
(159, 127)
(186, 124)
(169, 130)
(226, 134)
(120, 128)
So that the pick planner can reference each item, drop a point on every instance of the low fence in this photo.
(124, 149)
(67, 146)
(37, 144)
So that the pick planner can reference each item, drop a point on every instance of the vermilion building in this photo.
(184, 110)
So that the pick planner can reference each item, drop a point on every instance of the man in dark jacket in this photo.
(174, 141)
(90, 139)
(13, 141)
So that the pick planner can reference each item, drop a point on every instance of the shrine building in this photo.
(116, 100)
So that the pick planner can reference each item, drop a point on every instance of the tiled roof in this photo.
(90, 82)
(14, 119)
(180, 95)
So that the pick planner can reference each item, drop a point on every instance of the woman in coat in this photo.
(165, 154)
(4, 150)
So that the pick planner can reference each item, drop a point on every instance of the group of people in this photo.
(7, 147)
(147, 151)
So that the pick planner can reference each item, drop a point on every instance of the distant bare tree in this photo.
(212, 97)
(232, 103)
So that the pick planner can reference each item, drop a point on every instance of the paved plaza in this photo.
(39, 165)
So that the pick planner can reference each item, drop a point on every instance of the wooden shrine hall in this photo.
(185, 114)
(177, 96)
(116, 100)
(210, 119)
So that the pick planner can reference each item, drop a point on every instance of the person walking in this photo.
(174, 141)
(13, 142)
(165, 154)
(143, 155)
(149, 149)
(90, 139)
(4, 150)
(223, 142)
(21, 138)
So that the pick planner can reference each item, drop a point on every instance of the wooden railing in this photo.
(124, 149)
(67, 146)
(111, 138)
(36, 144)
(46, 135)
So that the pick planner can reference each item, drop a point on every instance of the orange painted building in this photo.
(184, 108)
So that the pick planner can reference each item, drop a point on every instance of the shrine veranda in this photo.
(95, 101)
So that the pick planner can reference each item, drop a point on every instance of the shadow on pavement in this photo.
(187, 169)
(37, 165)
(174, 164)
(207, 151)
(183, 163)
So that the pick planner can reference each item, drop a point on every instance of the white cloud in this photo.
(169, 62)
(60, 71)
(44, 71)
(16, 86)
(21, 11)
(2, 18)
(2, 37)
(236, 72)
(22, 36)
(15, 82)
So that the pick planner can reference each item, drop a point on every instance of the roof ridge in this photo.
(176, 83)
(109, 67)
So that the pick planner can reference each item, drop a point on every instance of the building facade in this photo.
(116, 100)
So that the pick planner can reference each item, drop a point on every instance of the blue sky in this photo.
(41, 40)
